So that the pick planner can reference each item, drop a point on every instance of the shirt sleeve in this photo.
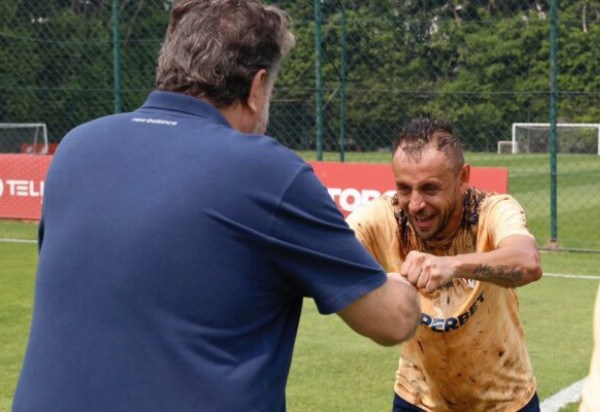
(503, 216)
(375, 226)
(316, 251)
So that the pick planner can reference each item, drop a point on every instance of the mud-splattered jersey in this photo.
(590, 396)
(469, 352)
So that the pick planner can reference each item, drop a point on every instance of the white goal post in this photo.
(506, 146)
(24, 138)
(515, 126)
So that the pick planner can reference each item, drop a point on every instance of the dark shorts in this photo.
(400, 405)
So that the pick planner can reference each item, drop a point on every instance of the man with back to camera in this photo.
(466, 251)
(177, 242)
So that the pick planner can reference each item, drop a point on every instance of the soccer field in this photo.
(333, 368)
(336, 370)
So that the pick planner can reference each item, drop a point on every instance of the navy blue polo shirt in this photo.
(175, 253)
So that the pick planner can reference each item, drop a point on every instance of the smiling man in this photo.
(466, 251)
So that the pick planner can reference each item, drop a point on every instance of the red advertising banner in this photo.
(354, 184)
(22, 185)
(349, 184)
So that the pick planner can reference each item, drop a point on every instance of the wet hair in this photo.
(424, 132)
(214, 48)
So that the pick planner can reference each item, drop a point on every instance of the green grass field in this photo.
(17, 270)
(336, 370)
(333, 368)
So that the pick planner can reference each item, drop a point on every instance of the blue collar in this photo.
(178, 102)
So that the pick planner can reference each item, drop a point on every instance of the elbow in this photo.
(535, 273)
(533, 269)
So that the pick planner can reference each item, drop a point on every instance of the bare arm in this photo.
(514, 263)
(388, 315)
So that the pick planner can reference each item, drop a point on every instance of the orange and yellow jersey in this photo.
(469, 352)
(590, 396)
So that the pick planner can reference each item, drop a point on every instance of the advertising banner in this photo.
(22, 185)
(349, 184)
(354, 184)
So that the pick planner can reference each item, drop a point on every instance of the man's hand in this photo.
(427, 271)
(514, 263)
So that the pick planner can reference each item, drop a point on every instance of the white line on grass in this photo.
(560, 275)
(563, 398)
(18, 240)
(571, 393)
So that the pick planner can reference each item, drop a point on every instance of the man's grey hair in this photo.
(213, 48)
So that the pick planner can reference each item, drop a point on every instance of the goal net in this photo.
(505, 146)
(581, 138)
(24, 138)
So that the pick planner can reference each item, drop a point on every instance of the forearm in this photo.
(514, 263)
(388, 315)
(509, 266)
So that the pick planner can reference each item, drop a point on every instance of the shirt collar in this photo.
(185, 104)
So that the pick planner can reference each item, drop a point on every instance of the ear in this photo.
(465, 174)
(258, 90)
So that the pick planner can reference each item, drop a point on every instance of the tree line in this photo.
(481, 64)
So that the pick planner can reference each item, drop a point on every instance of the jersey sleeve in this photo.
(375, 226)
(316, 251)
(502, 216)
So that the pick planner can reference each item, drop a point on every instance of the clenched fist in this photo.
(427, 271)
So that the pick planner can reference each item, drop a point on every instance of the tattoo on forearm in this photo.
(501, 275)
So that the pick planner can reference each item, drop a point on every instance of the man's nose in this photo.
(416, 202)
